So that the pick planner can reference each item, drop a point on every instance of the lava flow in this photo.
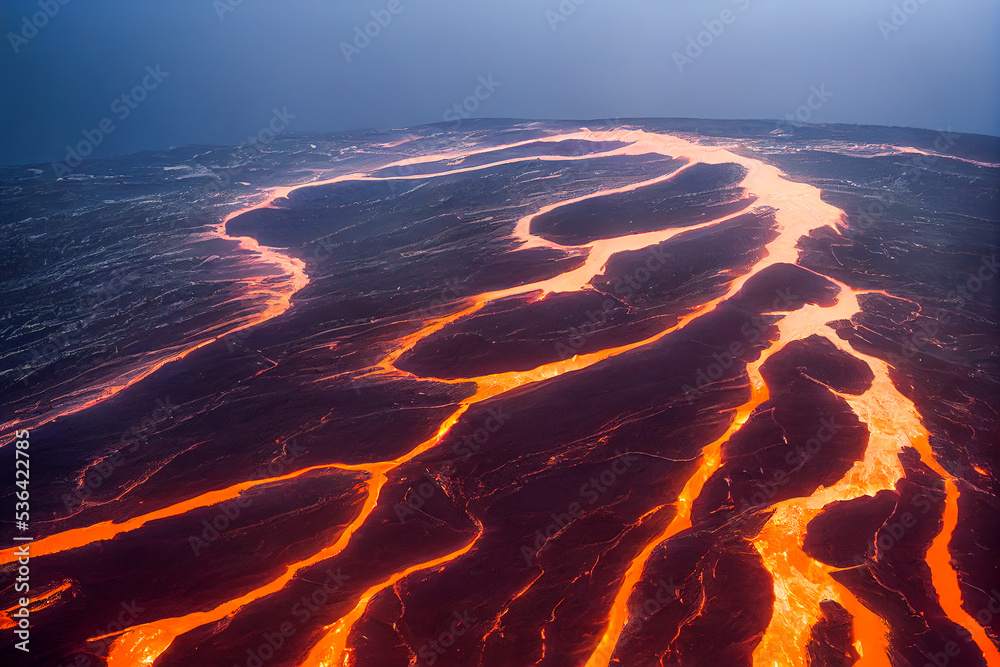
(688, 517)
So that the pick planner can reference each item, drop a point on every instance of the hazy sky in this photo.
(226, 64)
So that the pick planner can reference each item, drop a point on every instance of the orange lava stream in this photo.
(800, 582)
(711, 458)
(890, 150)
(931, 154)
(142, 644)
(945, 578)
(106, 530)
(38, 602)
(332, 651)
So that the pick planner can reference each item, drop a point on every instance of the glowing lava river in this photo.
(534, 394)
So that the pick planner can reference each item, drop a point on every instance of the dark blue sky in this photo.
(931, 64)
